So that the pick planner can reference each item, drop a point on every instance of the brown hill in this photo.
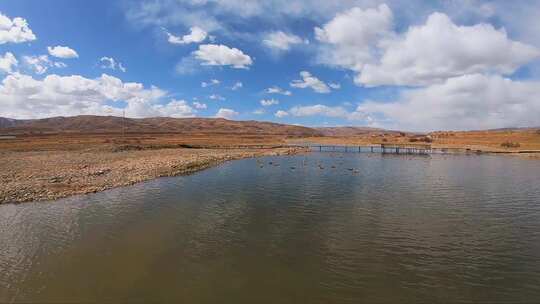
(111, 124)
(7, 122)
(351, 131)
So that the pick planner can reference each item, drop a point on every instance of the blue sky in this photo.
(415, 65)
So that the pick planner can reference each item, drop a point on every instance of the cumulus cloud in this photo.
(196, 35)
(281, 41)
(212, 82)
(278, 90)
(62, 52)
(175, 108)
(226, 113)
(310, 81)
(353, 37)
(111, 64)
(269, 102)
(281, 114)
(440, 49)
(364, 41)
(41, 64)
(259, 112)
(465, 102)
(22, 96)
(14, 30)
(222, 55)
(8, 62)
(199, 105)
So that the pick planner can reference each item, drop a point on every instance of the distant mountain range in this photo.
(352, 131)
(111, 124)
(7, 122)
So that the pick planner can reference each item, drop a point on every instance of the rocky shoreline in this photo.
(50, 175)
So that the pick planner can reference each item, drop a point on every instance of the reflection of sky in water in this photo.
(403, 227)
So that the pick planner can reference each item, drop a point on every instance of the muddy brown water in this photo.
(303, 229)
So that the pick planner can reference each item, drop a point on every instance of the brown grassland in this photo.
(527, 140)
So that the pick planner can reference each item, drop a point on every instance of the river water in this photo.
(299, 229)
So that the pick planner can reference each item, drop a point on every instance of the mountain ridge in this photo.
(113, 124)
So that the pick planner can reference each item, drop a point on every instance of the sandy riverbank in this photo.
(47, 175)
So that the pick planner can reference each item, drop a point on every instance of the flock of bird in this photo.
(318, 164)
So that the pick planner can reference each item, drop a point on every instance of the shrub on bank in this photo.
(509, 144)
(426, 139)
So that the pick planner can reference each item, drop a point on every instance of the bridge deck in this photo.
(383, 148)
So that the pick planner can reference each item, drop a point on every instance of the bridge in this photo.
(383, 148)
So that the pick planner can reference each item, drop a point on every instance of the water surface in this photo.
(393, 229)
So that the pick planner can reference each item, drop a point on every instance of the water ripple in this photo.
(323, 228)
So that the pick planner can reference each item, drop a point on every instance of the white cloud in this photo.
(8, 62)
(327, 111)
(238, 85)
(222, 55)
(22, 96)
(310, 81)
(259, 112)
(40, 64)
(352, 38)
(212, 82)
(14, 31)
(112, 64)
(269, 102)
(364, 41)
(220, 14)
(199, 105)
(216, 97)
(226, 113)
(62, 52)
(465, 102)
(278, 90)
(175, 108)
(440, 49)
(196, 35)
(281, 41)
(281, 114)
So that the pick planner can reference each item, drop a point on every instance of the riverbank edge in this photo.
(187, 169)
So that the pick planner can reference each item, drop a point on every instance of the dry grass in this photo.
(71, 142)
(491, 140)
(487, 141)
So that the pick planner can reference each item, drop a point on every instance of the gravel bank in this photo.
(49, 175)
